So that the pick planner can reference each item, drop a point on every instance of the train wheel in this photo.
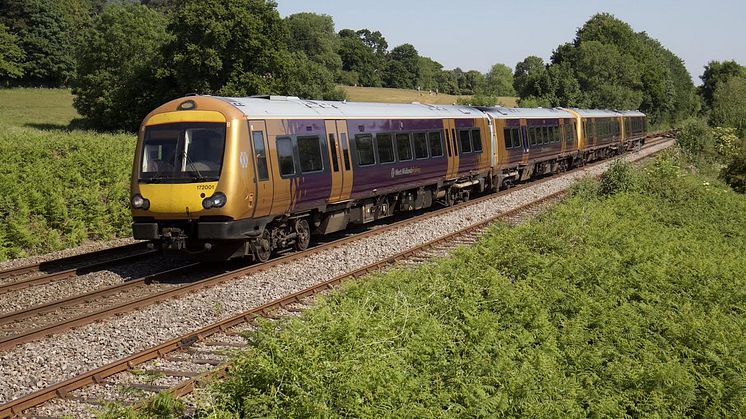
(263, 247)
(303, 234)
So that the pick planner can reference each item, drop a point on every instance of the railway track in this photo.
(36, 274)
(183, 362)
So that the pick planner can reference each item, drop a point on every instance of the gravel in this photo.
(35, 365)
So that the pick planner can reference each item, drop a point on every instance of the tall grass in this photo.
(626, 300)
(61, 188)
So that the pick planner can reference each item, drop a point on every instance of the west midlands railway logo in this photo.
(404, 171)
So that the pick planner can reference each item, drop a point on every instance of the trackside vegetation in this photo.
(62, 188)
(626, 299)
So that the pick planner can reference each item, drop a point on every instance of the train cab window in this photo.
(403, 147)
(309, 151)
(476, 140)
(464, 140)
(385, 144)
(285, 156)
(345, 151)
(420, 145)
(335, 156)
(436, 144)
(260, 154)
(364, 146)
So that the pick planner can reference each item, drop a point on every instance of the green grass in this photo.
(61, 187)
(37, 108)
(628, 299)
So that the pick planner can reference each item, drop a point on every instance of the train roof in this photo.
(293, 107)
(499, 112)
(632, 113)
(596, 113)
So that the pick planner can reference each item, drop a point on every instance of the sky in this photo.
(475, 34)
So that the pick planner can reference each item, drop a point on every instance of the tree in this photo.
(530, 77)
(44, 36)
(715, 73)
(429, 73)
(729, 105)
(11, 56)
(315, 36)
(363, 53)
(474, 83)
(403, 70)
(499, 81)
(447, 82)
(115, 85)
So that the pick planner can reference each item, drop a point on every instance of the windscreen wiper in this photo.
(191, 164)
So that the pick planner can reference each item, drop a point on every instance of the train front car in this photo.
(186, 192)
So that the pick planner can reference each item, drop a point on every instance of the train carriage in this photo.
(247, 176)
(532, 142)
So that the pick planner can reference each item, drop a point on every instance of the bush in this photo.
(618, 178)
(734, 174)
(695, 137)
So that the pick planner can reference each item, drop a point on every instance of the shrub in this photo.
(618, 178)
(734, 174)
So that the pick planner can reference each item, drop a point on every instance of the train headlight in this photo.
(217, 200)
(138, 202)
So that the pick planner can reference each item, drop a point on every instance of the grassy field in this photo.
(37, 108)
(61, 187)
(382, 94)
(627, 299)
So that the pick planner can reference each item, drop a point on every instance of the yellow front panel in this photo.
(177, 198)
(185, 116)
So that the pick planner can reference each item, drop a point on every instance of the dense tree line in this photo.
(123, 58)
(608, 65)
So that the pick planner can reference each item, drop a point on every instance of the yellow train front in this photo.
(185, 190)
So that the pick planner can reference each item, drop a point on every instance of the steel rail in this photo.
(41, 266)
(100, 293)
(17, 406)
(73, 272)
(129, 306)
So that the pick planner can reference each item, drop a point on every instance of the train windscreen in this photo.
(182, 153)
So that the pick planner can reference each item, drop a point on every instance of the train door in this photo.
(524, 136)
(262, 168)
(449, 126)
(339, 160)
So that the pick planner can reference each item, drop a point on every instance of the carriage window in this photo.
(385, 145)
(507, 133)
(464, 141)
(420, 145)
(546, 131)
(448, 143)
(364, 146)
(309, 151)
(403, 147)
(260, 155)
(476, 140)
(517, 137)
(436, 144)
(285, 156)
(333, 145)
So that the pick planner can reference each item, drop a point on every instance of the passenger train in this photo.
(225, 177)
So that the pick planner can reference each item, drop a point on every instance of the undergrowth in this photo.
(625, 300)
(60, 188)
